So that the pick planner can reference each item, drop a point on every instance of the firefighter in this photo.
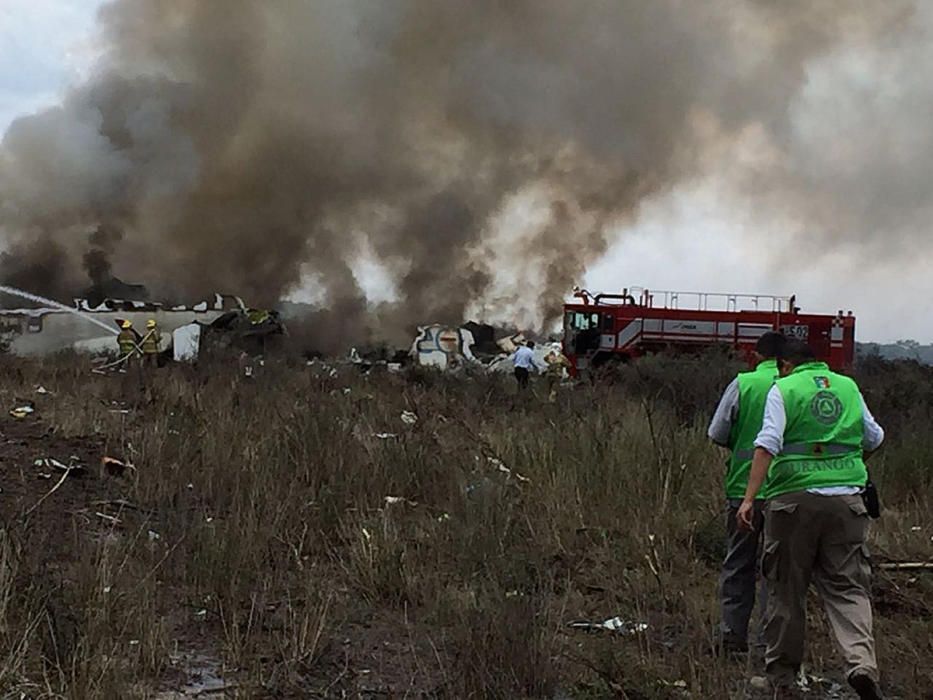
(556, 363)
(735, 425)
(126, 340)
(810, 462)
(151, 342)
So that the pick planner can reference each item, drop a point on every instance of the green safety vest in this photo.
(753, 393)
(823, 435)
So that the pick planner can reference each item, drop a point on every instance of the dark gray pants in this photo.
(739, 577)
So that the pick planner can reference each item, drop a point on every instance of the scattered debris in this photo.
(154, 536)
(916, 528)
(500, 467)
(21, 412)
(613, 624)
(72, 467)
(394, 500)
(204, 678)
(409, 418)
(42, 390)
(386, 436)
(443, 347)
(906, 566)
(511, 343)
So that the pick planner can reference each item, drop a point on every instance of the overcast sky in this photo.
(690, 239)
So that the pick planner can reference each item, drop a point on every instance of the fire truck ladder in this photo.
(710, 301)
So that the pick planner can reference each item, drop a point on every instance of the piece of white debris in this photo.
(500, 467)
(385, 436)
(42, 390)
(50, 463)
(613, 624)
(409, 418)
(154, 536)
(916, 528)
(395, 500)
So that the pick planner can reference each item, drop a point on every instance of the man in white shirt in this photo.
(524, 362)
(810, 464)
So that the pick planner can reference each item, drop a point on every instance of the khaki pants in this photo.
(809, 537)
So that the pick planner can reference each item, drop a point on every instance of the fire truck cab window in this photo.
(582, 322)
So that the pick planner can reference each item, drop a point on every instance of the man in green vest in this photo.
(735, 425)
(809, 460)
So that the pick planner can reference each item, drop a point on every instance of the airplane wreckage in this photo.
(225, 322)
(186, 329)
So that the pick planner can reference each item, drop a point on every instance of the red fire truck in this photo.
(604, 328)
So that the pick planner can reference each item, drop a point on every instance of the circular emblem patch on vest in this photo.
(826, 407)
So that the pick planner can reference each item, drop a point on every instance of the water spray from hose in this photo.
(54, 304)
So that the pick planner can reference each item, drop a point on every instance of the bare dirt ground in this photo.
(293, 536)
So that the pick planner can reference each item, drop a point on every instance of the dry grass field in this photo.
(292, 536)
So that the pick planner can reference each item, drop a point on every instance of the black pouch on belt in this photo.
(872, 503)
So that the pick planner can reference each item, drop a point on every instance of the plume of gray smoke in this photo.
(238, 145)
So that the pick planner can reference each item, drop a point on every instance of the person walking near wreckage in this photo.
(524, 362)
(735, 425)
(810, 463)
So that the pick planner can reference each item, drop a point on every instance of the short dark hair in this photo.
(796, 352)
(530, 344)
(769, 345)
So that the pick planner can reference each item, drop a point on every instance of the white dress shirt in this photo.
(524, 358)
(720, 427)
